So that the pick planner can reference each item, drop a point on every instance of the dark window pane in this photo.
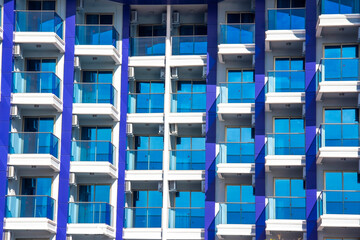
(186, 30)
(247, 18)
(49, 5)
(34, 5)
(233, 18)
(297, 3)
(159, 30)
(106, 19)
(145, 31)
(283, 4)
(92, 19)
(200, 30)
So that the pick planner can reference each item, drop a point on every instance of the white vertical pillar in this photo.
(167, 105)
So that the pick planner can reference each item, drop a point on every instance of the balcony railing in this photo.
(286, 18)
(90, 212)
(92, 151)
(33, 143)
(338, 69)
(286, 81)
(236, 213)
(95, 93)
(237, 92)
(146, 103)
(339, 6)
(339, 135)
(189, 45)
(144, 159)
(286, 208)
(187, 160)
(237, 152)
(188, 102)
(339, 202)
(237, 33)
(96, 35)
(142, 217)
(285, 144)
(147, 46)
(186, 217)
(36, 82)
(29, 206)
(38, 21)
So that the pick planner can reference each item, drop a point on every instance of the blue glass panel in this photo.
(29, 207)
(182, 199)
(147, 46)
(38, 21)
(282, 125)
(233, 193)
(232, 134)
(332, 52)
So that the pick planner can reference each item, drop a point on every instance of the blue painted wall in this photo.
(6, 80)
(68, 89)
(123, 112)
(210, 164)
(260, 119)
(310, 119)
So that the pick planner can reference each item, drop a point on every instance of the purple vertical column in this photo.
(310, 119)
(123, 113)
(260, 119)
(211, 121)
(68, 89)
(6, 80)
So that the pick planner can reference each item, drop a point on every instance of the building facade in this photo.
(180, 119)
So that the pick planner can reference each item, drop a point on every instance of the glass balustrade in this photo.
(33, 143)
(38, 21)
(36, 82)
(142, 217)
(29, 206)
(144, 159)
(187, 160)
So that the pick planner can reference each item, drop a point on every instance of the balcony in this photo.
(139, 217)
(286, 25)
(286, 214)
(337, 13)
(235, 219)
(189, 45)
(285, 150)
(36, 88)
(186, 223)
(236, 39)
(143, 163)
(189, 51)
(97, 40)
(235, 158)
(95, 99)
(91, 218)
(187, 164)
(34, 28)
(147, 46)
(188, 107)
(93, 157)
(338, 76)
(30, 213)
(339, 209)
(27, 149)
(236, 98)
(337, 141)
(141, 221)
(285, 87)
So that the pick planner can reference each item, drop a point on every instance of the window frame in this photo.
(99, 14)
(240, 13)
